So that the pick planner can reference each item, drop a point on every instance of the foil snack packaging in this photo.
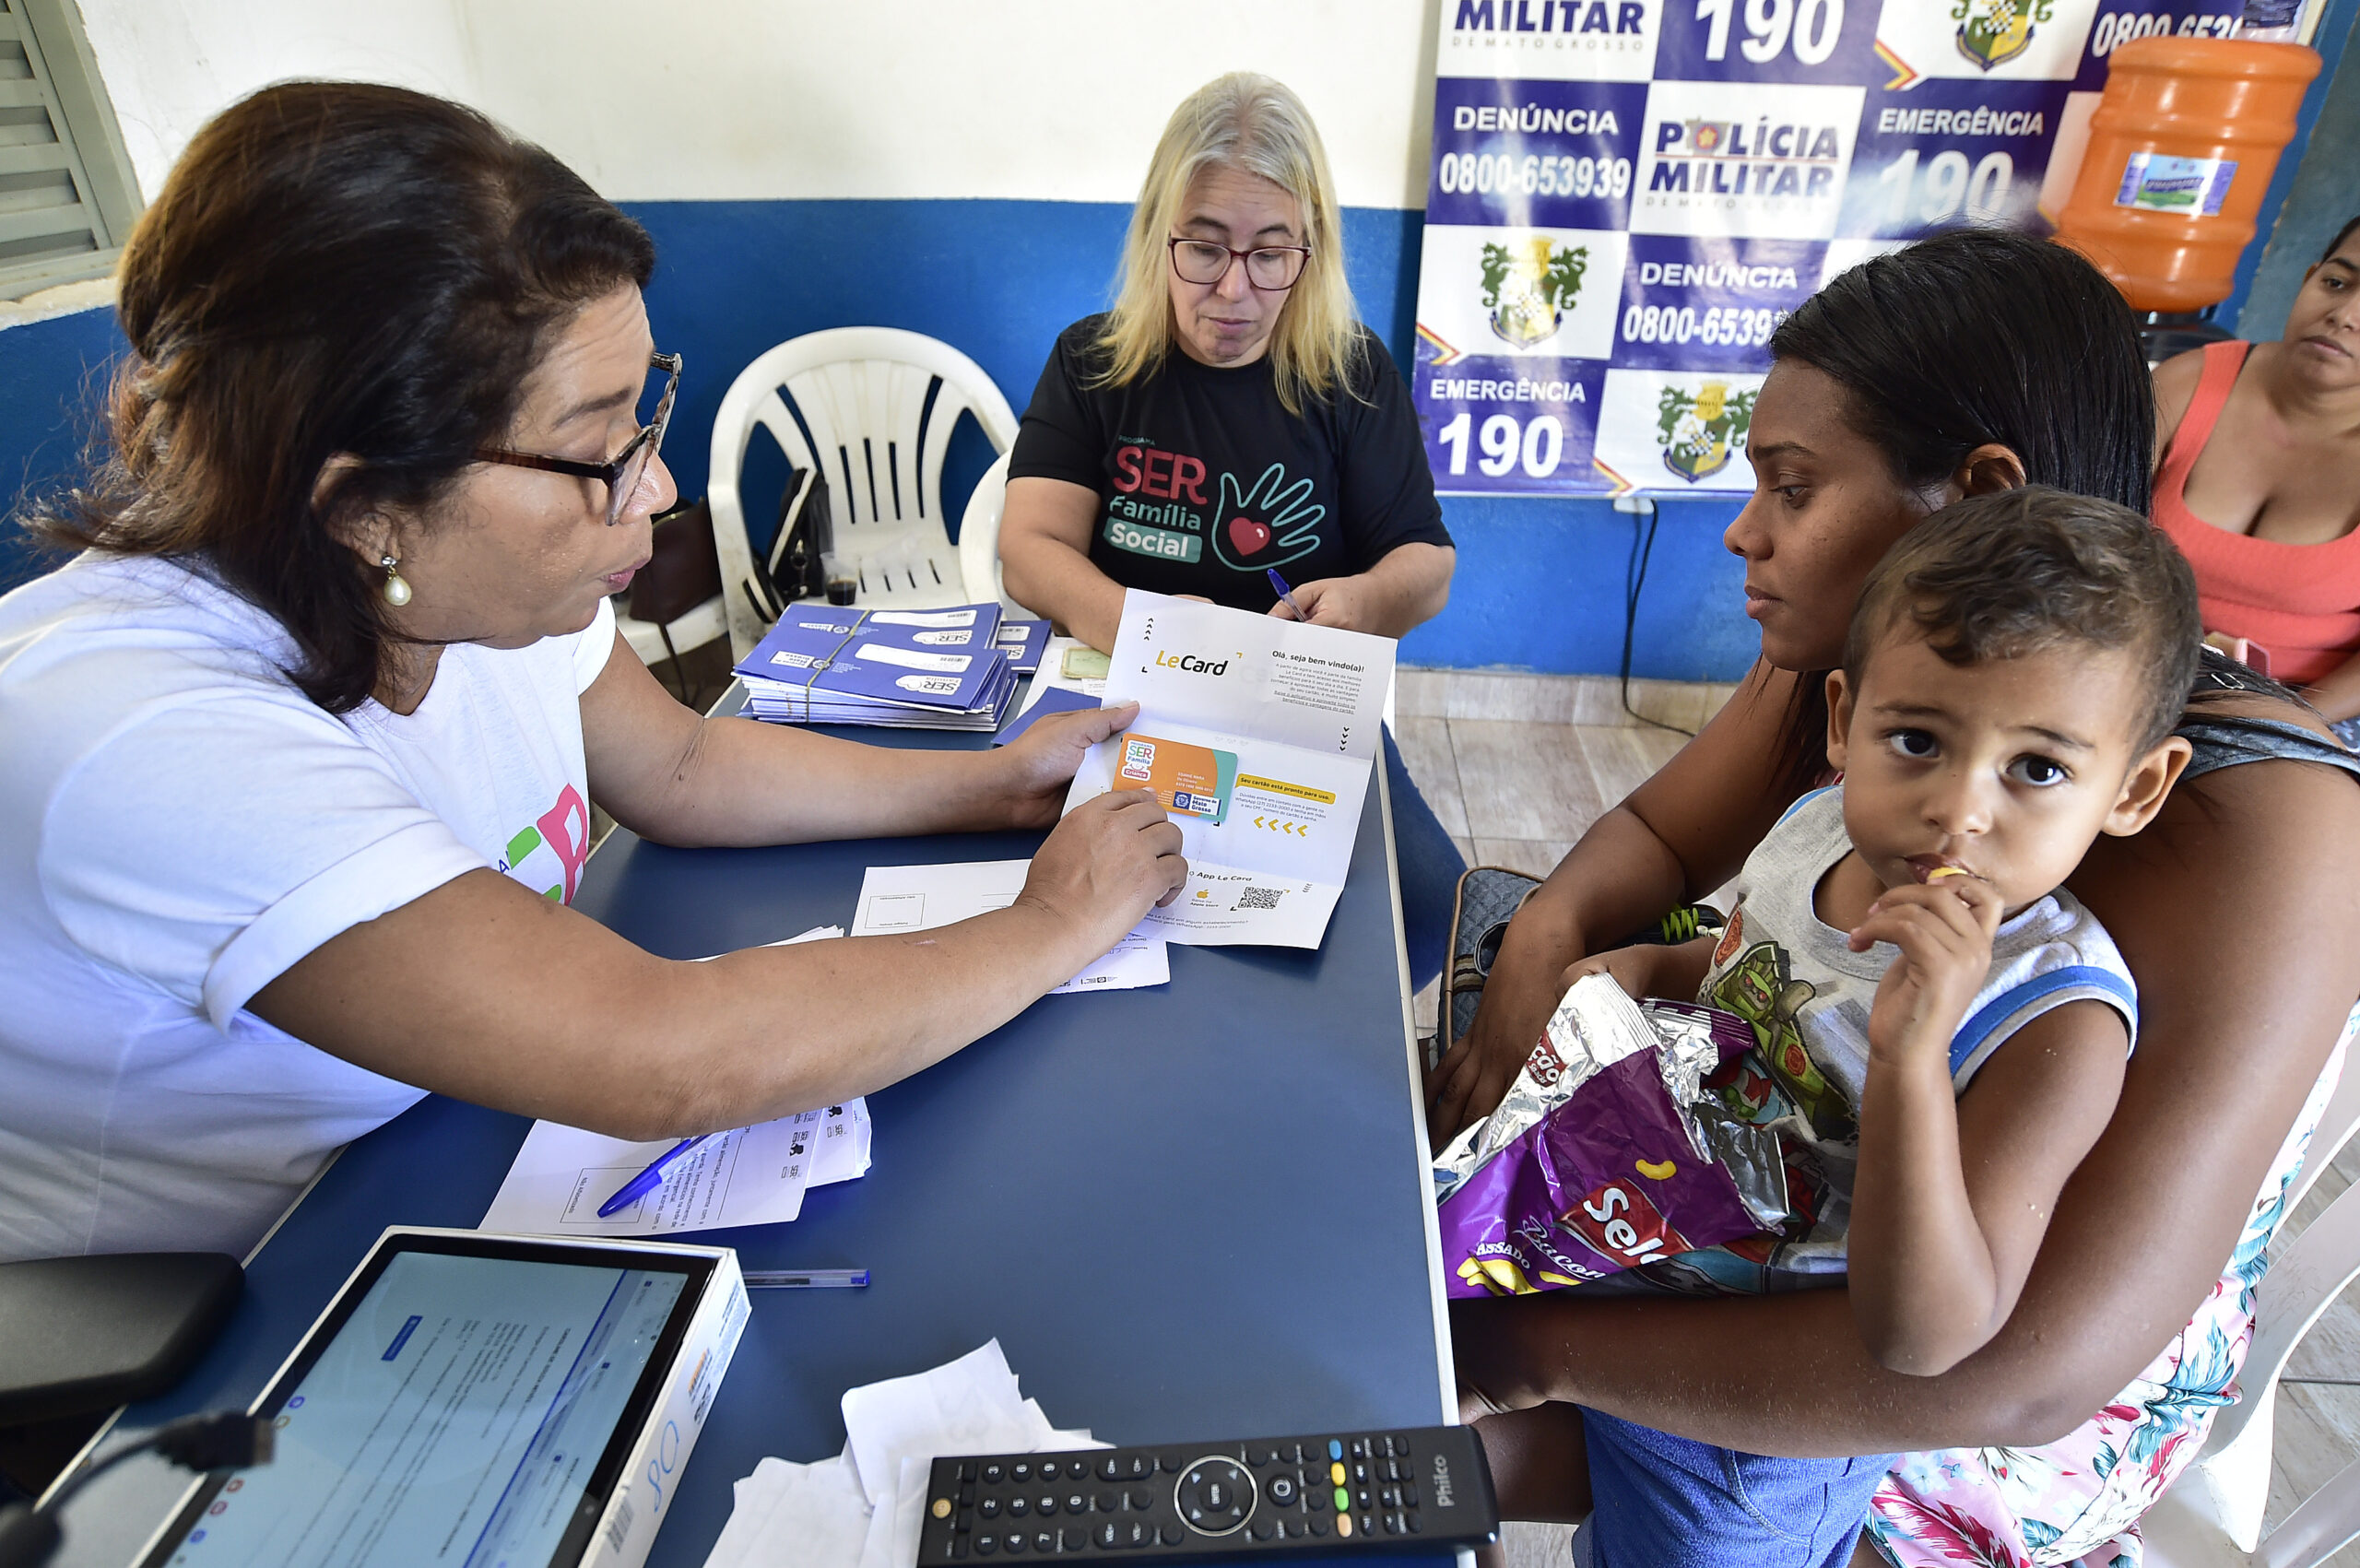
(1609, 1151)
(1595, 1026)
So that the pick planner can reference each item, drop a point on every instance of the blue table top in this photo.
(1193, 1211)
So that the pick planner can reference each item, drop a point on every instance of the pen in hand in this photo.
(647, 1181)
(1286, 595)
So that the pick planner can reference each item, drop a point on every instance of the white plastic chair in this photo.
(979, 539)
(2211, 1517)
(862, 392)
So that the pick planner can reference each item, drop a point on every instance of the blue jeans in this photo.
(1665, 1501)
(1430, 867)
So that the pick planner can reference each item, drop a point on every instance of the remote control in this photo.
(1426, 1490)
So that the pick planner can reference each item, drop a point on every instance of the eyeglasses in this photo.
(1268, 267)
(622, 474)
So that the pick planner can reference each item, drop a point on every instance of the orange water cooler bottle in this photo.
(2181, 150)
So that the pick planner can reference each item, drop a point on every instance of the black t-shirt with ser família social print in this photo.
(1205, 481)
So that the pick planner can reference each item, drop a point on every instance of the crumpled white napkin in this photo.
(862, 1509)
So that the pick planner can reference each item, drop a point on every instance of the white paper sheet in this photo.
(842, 1151)
(919, 898)
(753, 1175)
(865, 1507)
(1258, 735)
(794, 1516)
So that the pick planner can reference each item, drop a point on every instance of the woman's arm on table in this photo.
(511, 1001)
(673, 777)
(484, 992)
(1044, 558)
(1407, 587)
(1681, 834)
(2235, 910)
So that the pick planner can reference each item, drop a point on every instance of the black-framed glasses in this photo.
(623, 474)
(1267, 267)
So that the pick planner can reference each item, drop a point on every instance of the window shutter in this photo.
(56, 224)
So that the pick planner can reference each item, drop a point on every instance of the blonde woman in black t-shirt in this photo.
(1231, 417)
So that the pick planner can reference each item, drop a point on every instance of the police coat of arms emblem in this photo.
(1529, 285)
(1699, 429)
(1992, 32)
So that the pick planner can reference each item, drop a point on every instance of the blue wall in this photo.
(1539, 584)
(53, 377)
(1542, 585)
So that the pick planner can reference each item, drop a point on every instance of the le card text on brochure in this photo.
(1257, 735)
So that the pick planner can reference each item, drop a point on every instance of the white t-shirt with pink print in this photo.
(179, 824)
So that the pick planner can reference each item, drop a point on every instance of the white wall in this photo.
(1056, 100)
(169, 65)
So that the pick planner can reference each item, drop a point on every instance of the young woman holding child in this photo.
(1947, 1025)
(1966, 365)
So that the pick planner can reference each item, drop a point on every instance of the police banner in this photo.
(1629, 195)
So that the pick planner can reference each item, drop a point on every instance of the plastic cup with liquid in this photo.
(842, 576)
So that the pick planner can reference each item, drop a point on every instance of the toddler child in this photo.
(1944, 1026)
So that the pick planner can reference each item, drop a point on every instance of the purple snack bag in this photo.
(1610, 1178)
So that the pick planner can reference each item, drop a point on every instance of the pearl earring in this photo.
(396, 590)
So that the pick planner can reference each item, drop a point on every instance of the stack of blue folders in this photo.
(916, 669)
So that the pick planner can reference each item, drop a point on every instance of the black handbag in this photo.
(683, 568)
(793, 568)
(1488, 898)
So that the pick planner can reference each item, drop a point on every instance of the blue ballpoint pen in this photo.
(1286, 595)
(647, 1181)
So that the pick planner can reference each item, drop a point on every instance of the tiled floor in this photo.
(2318, 1423)
(1517, 767)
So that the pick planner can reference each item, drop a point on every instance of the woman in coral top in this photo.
(2259, 483)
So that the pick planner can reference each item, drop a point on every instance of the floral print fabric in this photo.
(2079, 1499)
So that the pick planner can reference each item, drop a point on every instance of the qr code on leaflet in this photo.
(1260, 898)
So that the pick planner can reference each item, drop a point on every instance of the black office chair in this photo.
(79, 1335)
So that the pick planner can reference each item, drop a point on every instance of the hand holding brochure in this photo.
(1257, 736)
